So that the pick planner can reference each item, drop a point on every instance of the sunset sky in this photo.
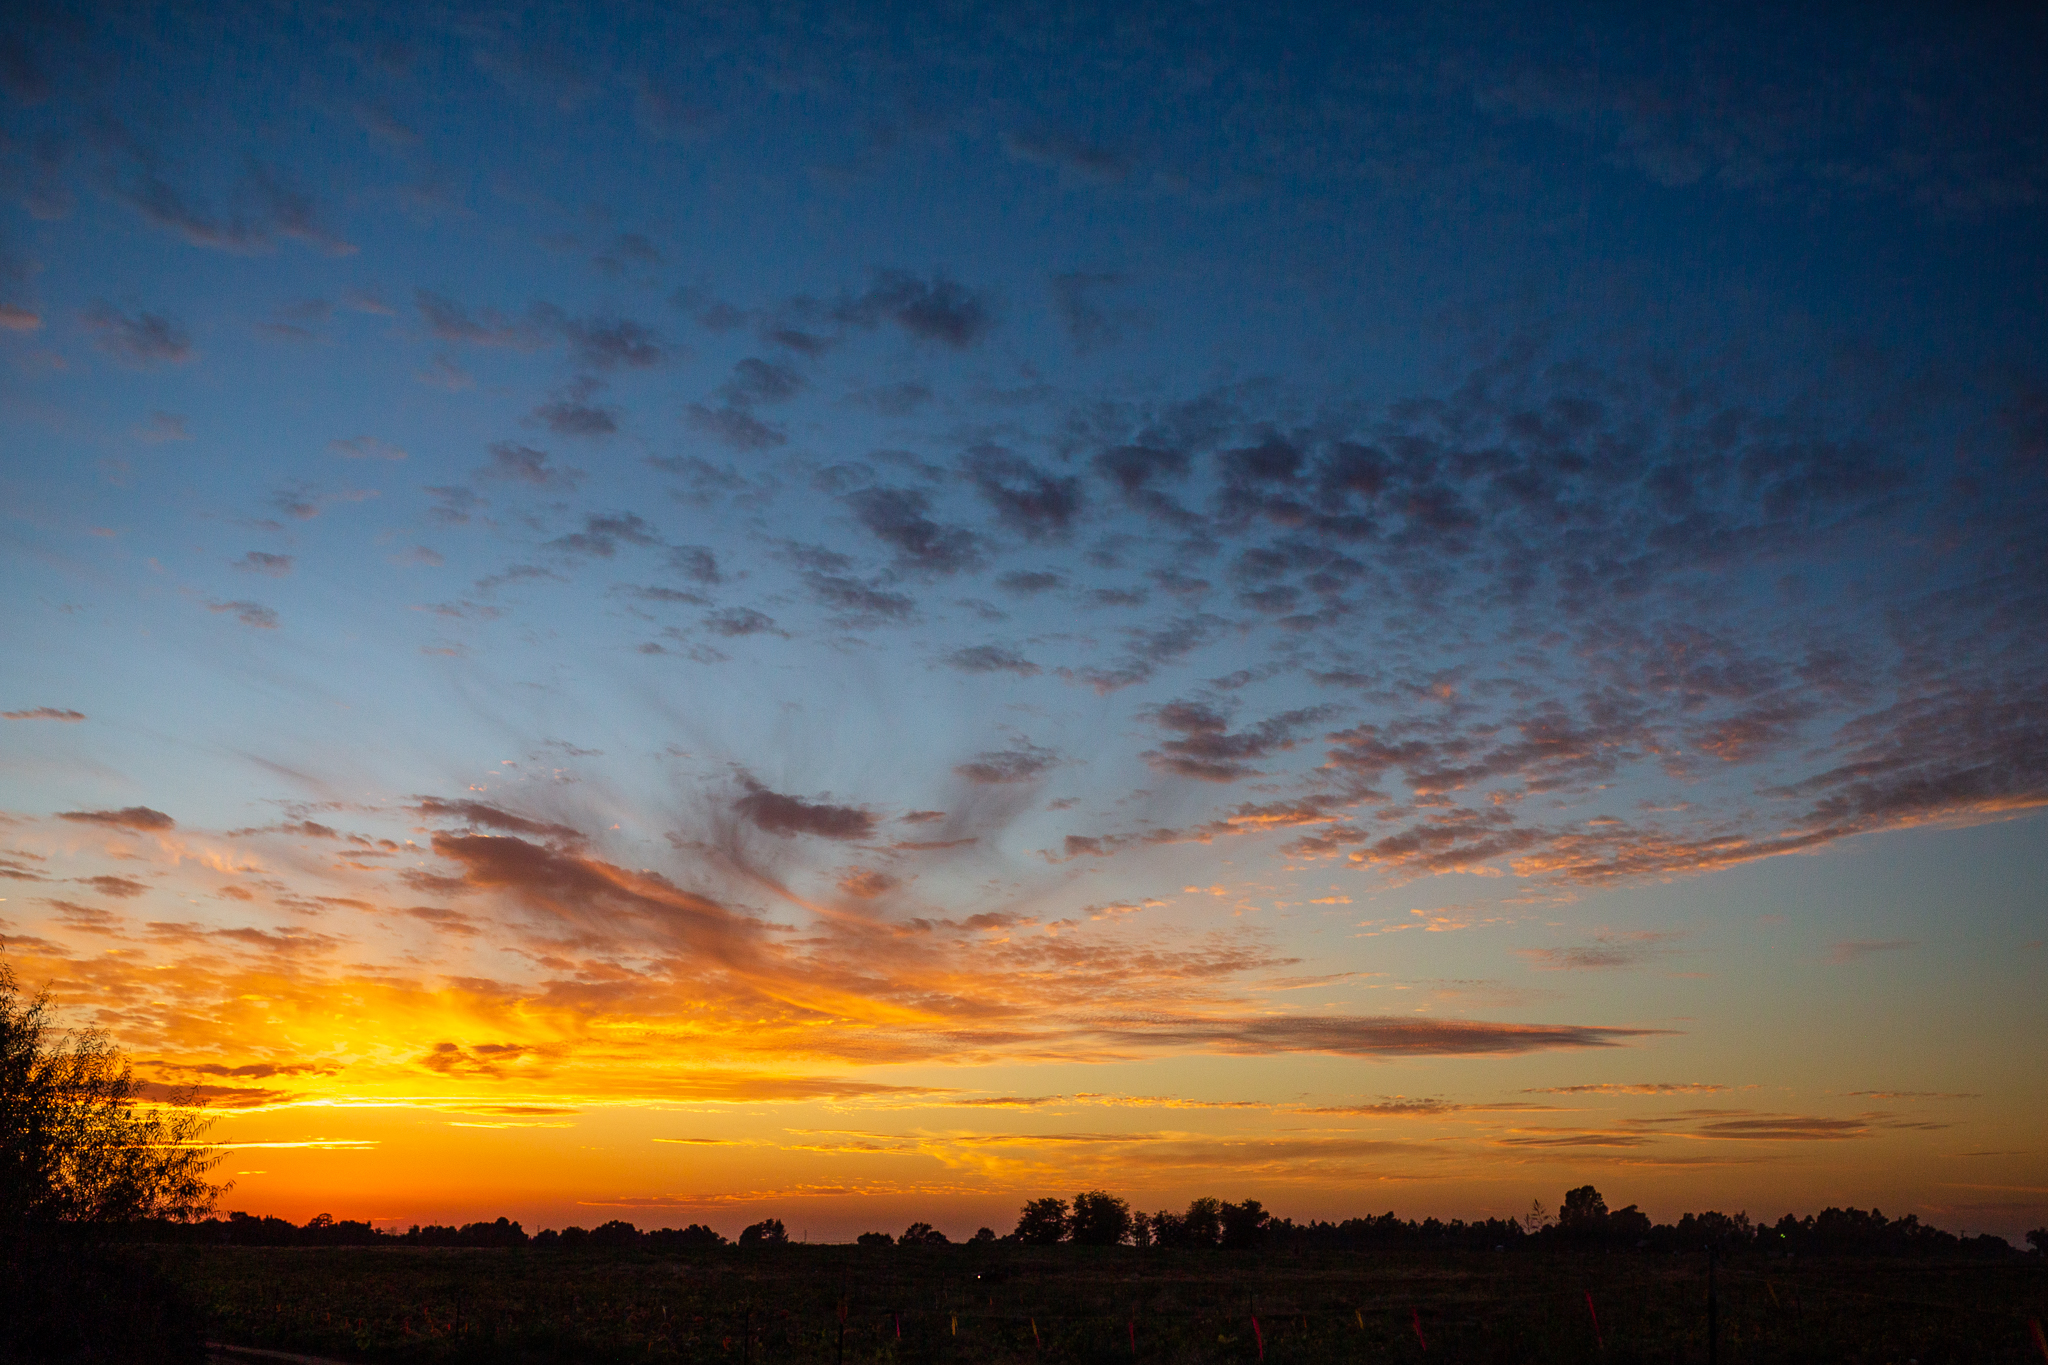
(627, 613)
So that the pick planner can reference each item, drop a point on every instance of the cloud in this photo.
(162, 427)
(1605, 952)
(144, 340)
(783, 815)
(1062, 151)
(56, 713)
(860, 603)
(269, 565)
(365, 448)
(252, 614)
(1639, 1088)
(991, 659)
(1856, 949)
(602, 535)
(1076, 302)
(734, 427)
(607, 343)
(1371, 1036)
(935, 310)
(1026, 763)
(480, 814)
(1208, 751)
(755, 380)
(15, 318)
(573, 415)
(897, 517)
(448, 320)
(1036, 505)
(734, 622)
(523, 464)
(1030, 582)
(268, 206)
(139, 818)
(121, 888)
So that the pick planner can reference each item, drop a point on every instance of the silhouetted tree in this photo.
(1584, 1213)
(1099, 1219)
(1202, 1224)
(923, 1235)
(874, 1239)
(78, 1155)
(983, 1235)
(2038, 1240)
(75, 1145)
(1041, 1222)
(767, 1232)
(1244, 1225)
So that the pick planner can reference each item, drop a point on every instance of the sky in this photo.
(859, 614)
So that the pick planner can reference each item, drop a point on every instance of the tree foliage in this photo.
(76, 1145)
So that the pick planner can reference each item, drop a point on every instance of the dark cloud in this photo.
(448, 320)
(572, 417)
(1026, 763)
(121, 888)
(1368, 1036)
(761, 381)
(1207, 749)
(602, 535)
(991, 659)
(1062, 151)
(1026, 499)
(454, 504)
(1029, 582)
(734, 427)
(1149, 649)
(791, 815)
(860, 602)
(57, 713)
(695, 563)
(734, 622)
(269, 565)
(892, 400)
(606, 343)
(896, 516)
(140, 818)
(518, 463)
(253, 614)
(1076, 300)
(938, 310)
(480, 814)
(267, 205)
(144, 340)
(1605, 952)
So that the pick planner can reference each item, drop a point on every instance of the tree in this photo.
(1244, 1225)
(76, 1144)
(874, 1239)
(923, 1235)
(1042, 1222)
(2038, 1240)
(767, 1232)
(1584, 1212)
(1100, 1219)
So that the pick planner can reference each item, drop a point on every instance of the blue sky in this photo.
(959, 558)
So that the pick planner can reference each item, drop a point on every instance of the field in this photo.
(828, 1304)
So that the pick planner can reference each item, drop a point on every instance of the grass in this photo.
(1073, 1304)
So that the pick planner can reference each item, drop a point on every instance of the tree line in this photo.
(1096, 1218)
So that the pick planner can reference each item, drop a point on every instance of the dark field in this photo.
(1112, 1304)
